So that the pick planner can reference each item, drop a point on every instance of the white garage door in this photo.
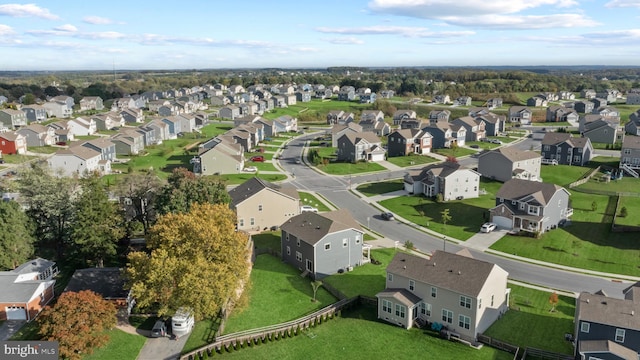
(15, 313)
(503, 222)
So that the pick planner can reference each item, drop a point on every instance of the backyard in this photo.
(121, 345)
(367, 279)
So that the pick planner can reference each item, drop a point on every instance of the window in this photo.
(547, 147)
(287, 236)
(491, 300)
(327, 246)
(513, 202)
(253, 221)
(620, 335)
(447, 316)
(425, 309)
(357, 239)
(584, 327)
(580, 150)
(479, 303)
(345, 242)
(464, 321)
(412, 285)
(434, 292)
(260, 207)
(241, 222)
(386, 306)
(389, 277)
(299, 256)
(298, 242)
(400, 310)
(465, 301)
(626, 151)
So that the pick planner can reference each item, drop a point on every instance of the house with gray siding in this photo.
(610, 95)
(91, 103)
(600, 130)
(38, 135)
(566, 149)
(585, 107)
(320, 245)
(474, 127)
(13, 119)
(401, 115)
(506, 163)
(338, 130)
(587, 94)
(455, 292)
(35, 113)
(630, 155)
(448, 179)
(361, 146)
(520, 114)
(446, 134)
(493, 123)
(530, 206)
(104, 146)
(218, 156)
(439, 115)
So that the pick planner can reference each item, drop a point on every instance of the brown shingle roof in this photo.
(631, 142)
(514, 154)
(254, 185)
(311, 227)
(605, 310)
(607, 346)
(518, 189)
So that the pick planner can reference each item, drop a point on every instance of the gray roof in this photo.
(254, 185)
(442, 170)
(403, 295)
(22, 291)
(82, 152)
(514, 154)
(460, 274)
(36, 265)
(106, 282)
(556, 138)
(407, 133)
(607, 346)
(312, 227)
(367, 136)
(631, 142)
(601, 309)
(519, 189)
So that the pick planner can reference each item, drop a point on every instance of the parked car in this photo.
(495, 141)
(474, 146)
(387, 216)
(488, 227)
(1, 161)
(159, 329)
(250, 169)
(61, 143)
(259, 158)
(549, 161)
(307, 208)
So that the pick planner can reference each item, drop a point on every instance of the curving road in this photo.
(335, 189)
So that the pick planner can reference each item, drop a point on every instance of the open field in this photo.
(377, 188)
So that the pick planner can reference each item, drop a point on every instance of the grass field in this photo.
(457, 152)
(357, 334)
(344, 168)
(377, 188)
(367, 279)
(267, 240)
(121, 345)
(562, 175)
(310, 199)
(232, 179)
(17, 159)
(43, 149)
(529, 323)
(411, 160)
(633, 207)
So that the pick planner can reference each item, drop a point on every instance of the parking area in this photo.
(482, 241)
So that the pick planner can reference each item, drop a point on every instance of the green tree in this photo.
(98, 224)
(196, 259)
(140, 191)
(16, 237)
(446, 217)
(315, 285)
(184, 189)
(594, 206)
(78, 322)
(623, 212)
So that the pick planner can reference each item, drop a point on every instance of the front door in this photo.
(309, 265)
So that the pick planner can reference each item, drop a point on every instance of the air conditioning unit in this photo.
(350, 268)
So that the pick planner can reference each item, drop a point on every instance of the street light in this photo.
(444, 243)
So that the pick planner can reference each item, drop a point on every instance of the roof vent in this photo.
(403, 260)
(434, 264)
(404, 267)
(459, 272)
(633, 312)
(317, 227)
(587, 301)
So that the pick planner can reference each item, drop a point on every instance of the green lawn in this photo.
(142, 322)
(543, 124)
(586, 243)
(262, 166)
(562, 175)
(529, 323)
(278, 287)
(318, 108)
(121, 345)
(215, 128)
(17, 159)
(377, 188)
(411, 160)
(337, 168)
(310, 199)
(457, 152)
(466, 215)
(267, 240)
(357, 334)
(367, 279)
(482, 145)
(43, 149)
(633, 207)
(240, 178)
(626, 184)
(28, 331)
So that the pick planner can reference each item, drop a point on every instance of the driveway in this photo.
(162, 348)
(9, 328)
(482, 241)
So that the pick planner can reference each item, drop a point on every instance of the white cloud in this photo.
(622, 3)
(6, 30)
(345, 41)
(520, 22)
(105, 35)
(406, 31)
(430, 9)
(97, 20)
(66, 27)
(26, 10)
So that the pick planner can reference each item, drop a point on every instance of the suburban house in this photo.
(78, 161)
(439, 115)
(362, 146)
(530, 206)
(229, 112)
(404, 142)
(444, 135)
(633, 97)
(520, 114)
(412, 124)
(375, 115)
(128, 142)
(633, 125)
(401, 115)
(12, 142)
(27, 289)
(448, 179)
(630, 155)
(508, 163)
(261, 205)
(453, 292)
(378, 126)
(610, 95)
(13, 119)
(303, 96)
(108, 121)
(462, 101)
(566, 149)
(599, 102)
(347, 94)
(537, 101)
(599, 129)
(323, 244)
(474, 127)
(338, 130)
(587, 94)
(585, 107)
(38, 135)
(218, 156)
(387, 94)
(104, 146)
(558, 113)
(286, 123)
(132, 115)
(35, 113)
(608, 327)
(63, 129)
(566, 95)
(442, 99)
(58, 109)
(91, 103)
(494, 103)
(493, 123)
(161, 130)
(107, 282)
(339, 117)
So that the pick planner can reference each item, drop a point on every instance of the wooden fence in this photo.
(585, 178)
(253, 337)
(545, 355)
(333, 291)
(501, 345)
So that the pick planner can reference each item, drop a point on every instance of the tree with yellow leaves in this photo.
(197, 259)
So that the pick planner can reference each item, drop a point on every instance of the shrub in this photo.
(623, 212)
(409, 245)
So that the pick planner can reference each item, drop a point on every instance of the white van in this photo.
(182, 322)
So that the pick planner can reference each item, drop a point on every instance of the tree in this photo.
(446, 217)
(140, 191)
(315, 285)
(594, 206)
(184, 189)
(197, 259)
(451, 159)
(98, 224)
(16, 237)
(623, 212)
(553, 300)
(78, 322)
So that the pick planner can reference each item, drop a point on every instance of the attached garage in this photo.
(16, 313)
(502, 222)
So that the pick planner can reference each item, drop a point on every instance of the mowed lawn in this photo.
(411, 160)
(277, 294)
(383, 187)
(343, 168)
(121, 345)
(530, 323)
(357, 334)
(310, 199)
(633, 206)
(367, 279)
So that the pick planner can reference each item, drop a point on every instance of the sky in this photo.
(199, 34)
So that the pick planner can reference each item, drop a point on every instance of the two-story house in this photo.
(588, 93)
(633, 125)
(599, 129)
(104, 146)
(38, 135)
(520, 114)
(559, 113)
(474, 127)
(444, 135)
(12, 142)
(506, 163)
(361, 146)
(13, 119)
(494, 103)
(35, 113)
(566, 149)
(449, 179)
(78, 161)
(91, 103)
(401, 115)
(493, 124)
(630, 155)
(323, 244)
(452, 292)
(218, 156)
(403, 142)
(439, 115)
(531, 206)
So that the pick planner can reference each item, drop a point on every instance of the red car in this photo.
(257, 159)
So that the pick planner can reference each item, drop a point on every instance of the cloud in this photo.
(26, 10)
(613, 38)
(97, 20)
(345, 41)
(406, 31)
(6, 30)
(622, 3)
(521, 22)
(66, 27)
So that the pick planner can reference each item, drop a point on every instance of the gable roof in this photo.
(106, 282)
(254, 185)
(442, 170)
(458, 273)
(514, 154)
(520, 189)
(607, 346)
(312, 227)
(407, 133)
(367, 136)
(556, 138)
(82, 152)
(631, 142)
(602, 309)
